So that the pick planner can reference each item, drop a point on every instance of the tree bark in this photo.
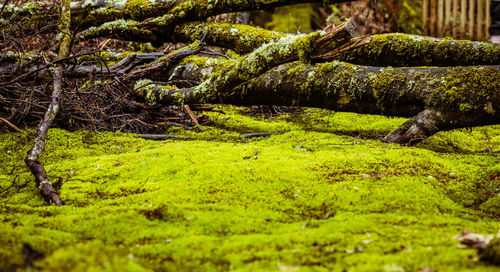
(120, 15)
(400, 50)
(439, 98)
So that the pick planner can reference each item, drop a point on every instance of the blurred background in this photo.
(460, 19)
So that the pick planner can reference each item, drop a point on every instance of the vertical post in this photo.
(488, 19)
(463, 18)
(480, 20)
(433, 7)
(447, 18)
(454, 26)
(441, 21)
(425, 17)
(472, 10)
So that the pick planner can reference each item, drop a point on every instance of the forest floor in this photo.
(324, 194)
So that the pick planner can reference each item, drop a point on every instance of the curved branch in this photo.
(31, 158)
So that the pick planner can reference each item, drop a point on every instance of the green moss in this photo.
(138, 9)
(124, 29)
(383, 87)
(305, 46)
(492, 252)
(153, 92)
(324, 195)
(492, 206)
(397, 49)
(295, 71)
(296, 18)
(96, 16)
(476, 86)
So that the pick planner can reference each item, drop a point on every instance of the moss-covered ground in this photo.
(323, 195)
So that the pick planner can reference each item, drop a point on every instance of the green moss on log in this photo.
(470, 89)
(240, 38)
(397, 49)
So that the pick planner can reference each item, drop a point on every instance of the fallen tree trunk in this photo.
(400, 50)
(396, 50)
(439, 98)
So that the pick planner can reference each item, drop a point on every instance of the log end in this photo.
(416, 129)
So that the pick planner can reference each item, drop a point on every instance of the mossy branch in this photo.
(393, 49)
(459, 96)
(33, 154)
(399, 50)
(239, 38)
(270, 55)
(160, 17)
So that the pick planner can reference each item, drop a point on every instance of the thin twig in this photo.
(191, 114)
(3, 7)
(215, 54)
(57, 61)
(10, 125)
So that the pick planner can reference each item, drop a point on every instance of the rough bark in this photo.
(441, 98)
(399, 50)
(162, 16)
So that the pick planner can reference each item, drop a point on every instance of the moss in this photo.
(492, 206)
(203, 62)
(492, 252)
(384, 89)
(248, 37)
(130, 9)
(252, 65)
(324, 195)
(295, 71)
(100, 15)
(123, 29)
(154, 93)
(296, 18)
(477, 86)
(397, 49)
(139, 9)
(305, 46)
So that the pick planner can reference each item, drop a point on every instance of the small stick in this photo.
(202, 107)
(12, 126)
(191, 114)
(158, 136)
(3, 6)
(259, 134)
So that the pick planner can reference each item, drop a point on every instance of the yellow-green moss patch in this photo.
(312, 198)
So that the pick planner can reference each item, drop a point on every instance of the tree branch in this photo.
(33, 154)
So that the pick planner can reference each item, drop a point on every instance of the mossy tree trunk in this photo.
(438, 98)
